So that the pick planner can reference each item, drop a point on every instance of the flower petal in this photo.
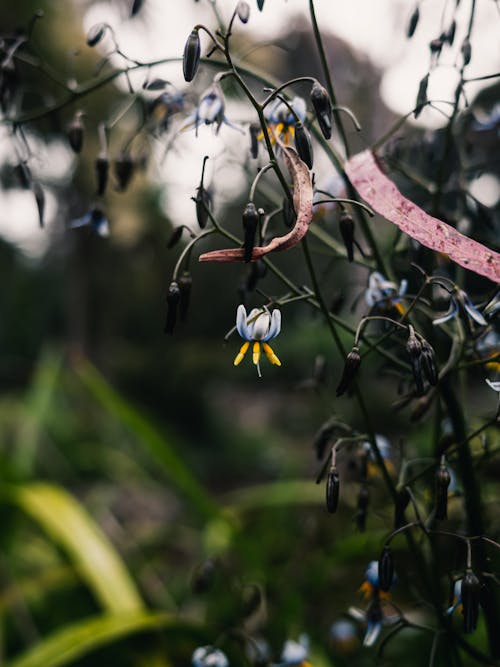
(275, 327)
(450, 314)
(241, 323)
(474, 313)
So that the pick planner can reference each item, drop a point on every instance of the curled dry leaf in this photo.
(384, 197)
(302, 202)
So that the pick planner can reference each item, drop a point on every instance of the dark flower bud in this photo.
(435, 45)
(466, 51)
(450, 35)
(250, 222)
(470, 593)
(40, 202)
(202, 201)
(332, 490)
(289, 216)
(102, 171)
(402, 501)
(385, 569)
(303, 144)
(75, 133)
(414, 349)
(442, 483)
(136, 7)
(413, 22)
(352, 363)
(322, 108)
(96, 33)
(260, 4)
(421, 96)
(429, 365)
(346, 224)
(192, 52)
(173, 298)
(175, 237)
(243, 11)
(124, 170)
(185, 284)
(254, 130)
(23, 173)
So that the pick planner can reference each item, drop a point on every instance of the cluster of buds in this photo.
(351, 366)
(443, 479)
(423, 361)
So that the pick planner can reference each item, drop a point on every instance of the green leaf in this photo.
(95, 558)
(158, 446)
(78, 639)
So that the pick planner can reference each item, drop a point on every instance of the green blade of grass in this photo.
(65, 520)
(157, 445)
(78, 639)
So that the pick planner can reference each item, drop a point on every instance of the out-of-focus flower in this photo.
(209, 656)
(461, 305)
(294, 653)
(162, 108)
(344, 637)
(488, 347)
(96, 219)
(258, 327)
(281, 121)
(210, 111)
(494, 385)
(386, 452)
(370, 588)
(466, 594)
(383, 295)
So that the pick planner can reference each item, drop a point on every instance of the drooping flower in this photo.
(294, 653)
(461, 305)
(210, 111)
(370, 588)
(344, 637)
(383, 295)
(281, 121)
(209, 656)
(258, 328)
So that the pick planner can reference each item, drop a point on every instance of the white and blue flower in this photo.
(383, 295)
(209, 656)
(94, 218)
(258, 328)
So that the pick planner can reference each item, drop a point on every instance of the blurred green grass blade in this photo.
(162, 451)
(78, 639)
(275, 494)
(67, 523)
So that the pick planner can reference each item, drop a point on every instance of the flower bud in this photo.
(470, 594)
(322, 108)
(40, 202)
(442, 483)
(75, 133)
(352, 363)
(346, 224)
(175, 237)
(289, 216)
(332, 490)
(260, 4)
(429, 365)
(435, 45)
(185, 284)
(414, 349)
(243, 11)
(466, 51)
(450, 35)
(254, 130)
(386, 569)
(95, 34)
(102, 171)
(124, 170)
(173, 298)
(23, 173)
(202, 201)
(136, 7)
(421, 96)
(191, 59)
(412, 23)
(303, 144)
(250, 222)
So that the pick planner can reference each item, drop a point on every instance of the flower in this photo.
(96, 219)
(383, 294)
(460, 304)
(344, 636)
(385, 449)
(210, 111)
(162, 108)
(281, 121)
(294, 653)
(258, 327)
(209, 656)
(370, 588)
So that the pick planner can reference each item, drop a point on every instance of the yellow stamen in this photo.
(400, 307)
(256, 353)
(366, 589)
(270, 354)
(241, 354)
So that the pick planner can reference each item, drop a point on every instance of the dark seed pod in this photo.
(96, 33)
(202, 201)
(303, 144)
(254, 130)
(413, 22)
(414, 349)
(323, 109)
(102, 171)
(75, 133)
(466, 51)
(185, 284)
(385, 569)
(173, 298)
(351, 366)
(23, 173)
(450, 35)
(421, 96)
(136, 7)
(40, 202)
(402, 501)
(191, 59)
(346, 224)
(175, 237)
(470, 593)
(243, 11)
(429, 365)
(250, 223)
(332, 490)
(442, 483)
(260, 4)
(124, 170)
(289, 216)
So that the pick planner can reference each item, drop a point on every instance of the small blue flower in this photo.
(294, 653)
(258, 327)
(383, 294)
(210, 111)
(209, 656)
(457, 597)
(344, 636)
(373, 624)
(281, 120)
(460, 304)
(162, 108)
(370, 586)
(96, 219)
